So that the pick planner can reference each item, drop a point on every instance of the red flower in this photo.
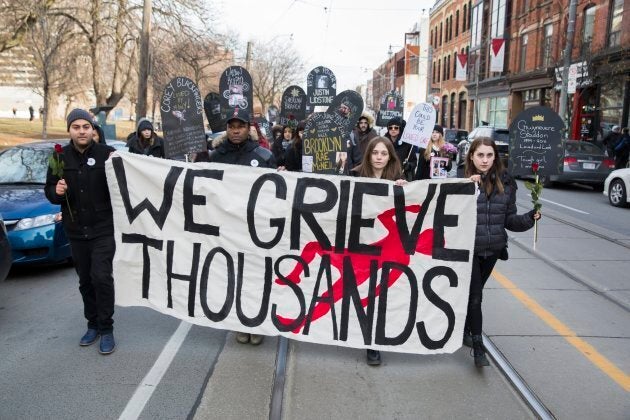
(291, 117)
(58, 148)
(535, 167)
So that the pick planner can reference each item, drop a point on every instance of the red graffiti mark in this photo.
(391, 251)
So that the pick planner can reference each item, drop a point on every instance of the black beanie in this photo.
(79, 114)
(395, 121)
(439, 129)
(145, 124)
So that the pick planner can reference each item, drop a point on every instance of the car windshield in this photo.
(503, 136)
(24, 165)
(590, 149)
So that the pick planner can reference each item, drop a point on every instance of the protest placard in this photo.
(212, 108)
(420, 125)
(323, 146)
(392, 105)
(292, 105)
(321, 87)
(235, 85)
(346, 108)
(346, 261)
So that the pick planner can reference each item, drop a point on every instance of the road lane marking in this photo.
(150, 382)
(562, 205)
(582, 346)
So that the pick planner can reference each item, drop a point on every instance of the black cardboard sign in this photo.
(392, 105)
(321, 87)
(181, 109)
(236, 90)
(323, 146)
(346, 108)
(212, 108)
(536, 137)
(293, 104)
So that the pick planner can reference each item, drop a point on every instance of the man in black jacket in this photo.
(240, 149)
(76, 180)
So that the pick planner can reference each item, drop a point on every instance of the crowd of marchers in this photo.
(76, 180)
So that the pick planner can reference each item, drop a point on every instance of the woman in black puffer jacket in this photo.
(496, 212)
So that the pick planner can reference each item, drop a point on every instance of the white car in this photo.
(616, 187)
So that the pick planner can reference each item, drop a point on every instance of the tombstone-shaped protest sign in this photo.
(293, 104)
(273, 114)
(236, 89)
(264, 126)
(323, 146)
(212, 108)
(181, 108)
(346, 108)
(420, 125)
(536, 137)
(321, 87)
(392, 105)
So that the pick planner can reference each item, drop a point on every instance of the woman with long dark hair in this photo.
(379, 161)
(293, 154)
(496, 212)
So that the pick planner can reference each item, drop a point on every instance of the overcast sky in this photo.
(350, 37)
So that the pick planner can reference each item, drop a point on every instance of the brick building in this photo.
(449, 35)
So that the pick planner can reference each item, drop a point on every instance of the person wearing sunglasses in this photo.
(407, 153)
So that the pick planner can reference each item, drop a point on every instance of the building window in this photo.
(450, 27)
(456, 23)
(523, 61)
(497, 23)
(477, 16)
(439, 70)
(547, 46)
(440, 33)
(455, 64)
(451, 114)
(614, 33)
(464, 18)
(433, 74)
(587, 29)
(497, 111)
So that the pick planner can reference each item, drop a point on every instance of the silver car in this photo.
(584, 163)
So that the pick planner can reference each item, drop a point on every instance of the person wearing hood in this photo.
(145, 141)
(359, 138)
(406, 152)
(98, 135)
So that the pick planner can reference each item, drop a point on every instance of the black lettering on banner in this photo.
(136, 238)
(302, 210)
(440, 220)
(438, 302)
(281, 192)
(379, 334)
(203, 289)
(410, 239)
(342, 214)
(264, 305)
(327, 298)
(283, 327)
(191, 200)
(159, 216)
(351, 291)
(356, 222)
(191, 278)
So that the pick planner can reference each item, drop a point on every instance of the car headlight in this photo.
(32, 222)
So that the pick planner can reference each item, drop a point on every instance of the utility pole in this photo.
(562, 108)
(143, 75)
(248, 55)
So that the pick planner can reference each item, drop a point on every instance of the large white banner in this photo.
(329, 259)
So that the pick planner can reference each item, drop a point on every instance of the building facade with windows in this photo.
(449, 34)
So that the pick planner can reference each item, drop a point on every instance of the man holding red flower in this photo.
(76, 180)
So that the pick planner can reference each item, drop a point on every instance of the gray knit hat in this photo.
(79, 114)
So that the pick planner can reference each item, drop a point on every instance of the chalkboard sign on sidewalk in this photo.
(536, 137)
(181, 108)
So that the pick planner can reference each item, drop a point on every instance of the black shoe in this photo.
(479, 351)
(89, 337)
(373, 357)
(468, 339)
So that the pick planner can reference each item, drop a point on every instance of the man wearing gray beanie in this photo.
(76, 181)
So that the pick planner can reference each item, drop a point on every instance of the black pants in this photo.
(481, 270)
(93, 262)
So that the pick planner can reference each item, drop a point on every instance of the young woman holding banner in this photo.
(379, 161)
(496, 212)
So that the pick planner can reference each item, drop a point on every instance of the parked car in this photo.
(616, 187)
(501, 137)
(33, 224)
(455, 135)
(584, 163)
(5, 251)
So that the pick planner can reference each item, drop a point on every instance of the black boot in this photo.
(467, 339)
(479, 352)
(373, 357)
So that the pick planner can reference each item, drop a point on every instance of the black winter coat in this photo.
(293, 157)
(87, 192)
(155, 148)
(358, 143)
(496, 214)
(248, 153)
(424, 166)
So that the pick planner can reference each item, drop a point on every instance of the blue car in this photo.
(33, 224)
